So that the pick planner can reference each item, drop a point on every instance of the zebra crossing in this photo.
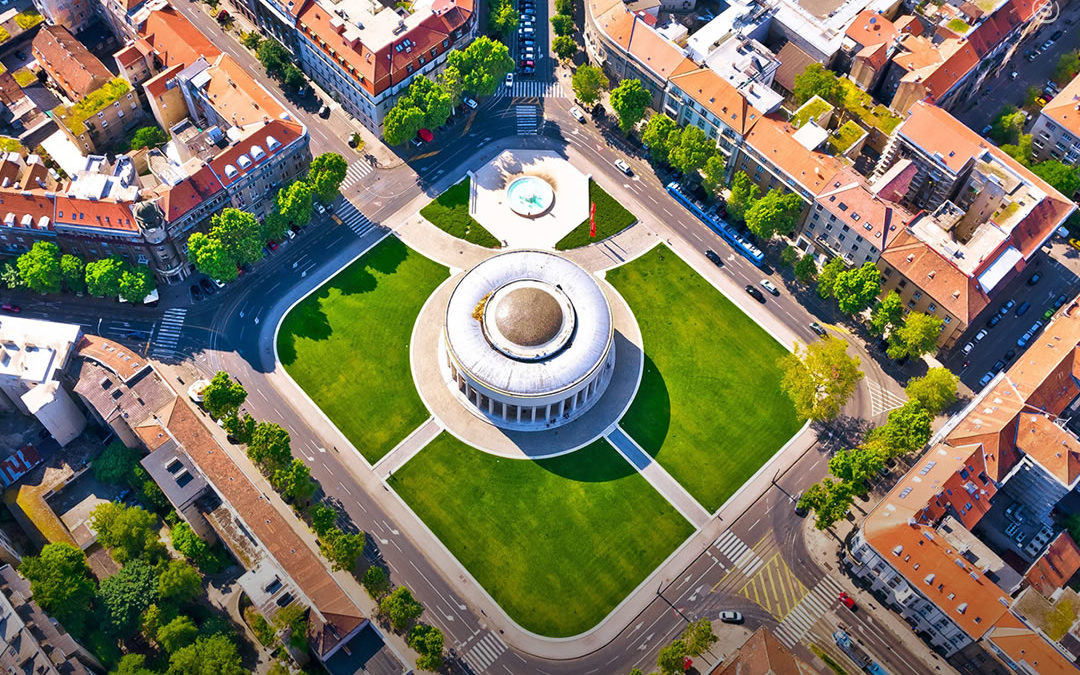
(484, 652)
(168, 333)
(355, 172)
(528, 118)
(352, 218)
(532, 88)
(735, 550)
(883, 400)
(802, 618)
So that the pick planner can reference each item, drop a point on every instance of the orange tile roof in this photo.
(773, 140)
(1058, 563)
(717, 95)
(284, 132)
(909, 24)
(189, 193)
(1028, 647)
(77, 70)
(122, 360)
(236, 96)
(158, 84)
(849, 198)
(1065, 107)
(95, 213)
(871, 28)
(875, 55)
(919, 52)
(936, 275)
(128, 55)
(647, 46)
(26, 208)
(175, 39)
(1055, 449)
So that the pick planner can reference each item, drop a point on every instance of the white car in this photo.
(217, 283)
(621, 165)
(770, 287)
(509, 79)
(577, 114)
(470, 102)
(731, 616)
(980, 335)
(968, 347)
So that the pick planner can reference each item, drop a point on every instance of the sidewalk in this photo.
(660, 479)
(407, 449)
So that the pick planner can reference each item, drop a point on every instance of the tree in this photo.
(743, 195)
(136, 283)
(273, 56)
(132, 664)
(1022, 150)
(39, 268)
(565, 7)
(1031, 94)
(789, 256)
(427, 96)
(855, 289)
(564, 46)
(775, 212)
(671, 658)
(341, 548)
(210, 258)
(73, 273)
(1062, 177)
(148, 137)
(917, 336)
(240, 428)
(187, 542)
(630, 99)
(691, 150)
(450, 79)
(698, 636)
(934, 391)
(116, 464)
(275, 225)
(402, 123)
(829, 500)
(562, 24)
(816, 80)
(223, 396)
(155, 617)
(503, 18)
(251, 40)
(806, 269)
(659, 133)
(1007, 125)
(129, 532)
(588, 82)
(712, 174)
(483, 65)
(888, 313)
(126, 595)
(213, 655)
(61, 583)
(828, 275)
(294, 481)
(821, 379)
(180, 583)
(323, 518)
(103, 277)
(326, 174)
(907, 429)
(9, 275)
(1067, 67)
(177, 634)
(428, 642)
(292, 78)
(856, 467)
(239, 233)
(269, 446)
(295, 202)
(376, 582)
(400, 608)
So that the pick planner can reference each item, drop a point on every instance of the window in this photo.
(948, 319)
(917, 295)
(841, 237)
(903, 283)
(931, 308)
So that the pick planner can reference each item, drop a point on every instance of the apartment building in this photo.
(103, 119)
(1001, 467)
(68, 63)
(1056, 132)
(73, 15)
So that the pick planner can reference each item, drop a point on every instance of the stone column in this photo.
(562, 407)
(533, 409)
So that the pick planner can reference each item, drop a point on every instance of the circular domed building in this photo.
(528, 340)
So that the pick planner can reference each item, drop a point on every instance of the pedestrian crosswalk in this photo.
(484, 652)
(802, 618)
(735, 550)
(352, 218)
(168, 333)
(882, 400)
(528, 119)
(355, 172)
(524, 88)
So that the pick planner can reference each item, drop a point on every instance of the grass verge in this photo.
(450, 213)
(611, 218)
(347, 345)
(559, 542)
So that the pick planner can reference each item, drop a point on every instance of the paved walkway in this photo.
(407, 449)
(660, 479)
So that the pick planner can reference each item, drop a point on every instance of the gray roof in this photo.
(175, 474)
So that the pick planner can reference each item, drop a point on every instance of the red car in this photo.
(272, 246)
(14, 309)
(847, 601)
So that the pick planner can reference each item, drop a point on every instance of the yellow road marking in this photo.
(425, 155)
(774, 588)
(472, 116)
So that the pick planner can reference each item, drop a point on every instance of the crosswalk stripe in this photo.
(485, 652)
(802, 619)
(355, 172)
(725, 537)
(731, 547)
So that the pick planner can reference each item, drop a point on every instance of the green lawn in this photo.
(450, 212)
(709, 407)
(347, 345)
(611, 218)
(558, 543)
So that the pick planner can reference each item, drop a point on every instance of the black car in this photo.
(994, 320)
(755, 293)
(324, 112)
(998, 367)
(1034, 279)
(714, 257)
(1061, 300)
(1057, 35)
(196, 292)
(1010, 355)
(208, 287)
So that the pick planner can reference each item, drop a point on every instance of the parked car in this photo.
(509, 79)
(621, 165)
(272, 245)
(471, 102)
(847, 601)
(196, 292)
(525, 63)
(985, 379)
(576, 113)
(528, 70)
(800, 510)
(1010, 355)
(1006, 307)
(986, 130)
(10, 308)
(980, 335)
(207, 286)
(1034, 279)
(968, 347)
(755, 293)
(770, 287)
(324, 112)
(714, 257)
(217, 283)
(998, 367)
(731, 616)
(320, 208)
(1057, 35)
(819, 329)
(1024, 306)
(1061, 300)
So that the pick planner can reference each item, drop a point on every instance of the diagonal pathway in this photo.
(407, 449)
(660, 479)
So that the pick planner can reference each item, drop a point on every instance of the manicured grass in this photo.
(611, 218)
(845, 136)
(347, 345)
(810, 110)
(450, 212)
(709, 408)
(559, 542)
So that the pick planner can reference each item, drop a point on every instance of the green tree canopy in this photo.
(275, 225)
(341, 548)
(177, 634)
(129, 532)
(821, 379)
(565, 7)
(269, 447)
(690, 150)
(588, 83)
(887, 314)
(132, 664)
(39, 268)
(323, 517)
(907, 429)
(829, 500)
(116, 464)
(295, 202)
(1007, 125)
(917, 336)
(187, 542)
(806, 269)
(776, 212)
(213, 655)
(670, 659)
(659, 134)
(136, 283)
(73, 273)
(376, 582)
(9, 275)
(430, 98)
(830, 271)
(1062, 177)
(562, 24)
(1022, 150)
(326, 174)
(294, 481)
(934, 391)
(402, 123)
(503, 17)
(239, 427)
(428, 642)
(149, 137)
(817, 80)
(630, 100)
(223, 396)
(856, 467)
(855, 289)
(712, 174)
(400, 608)
(251, 40)
(126, 595)
(564, 46)
(210, 258)
(698, 637)
(273, 56)
(61, 583)
(239, 233)
(450, 79)
(743, 195)
(483, 65)
(1068, 65)
(103, 277)
(179, 583)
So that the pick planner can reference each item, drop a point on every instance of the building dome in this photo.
(528, 339)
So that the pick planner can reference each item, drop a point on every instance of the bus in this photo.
(717, 225)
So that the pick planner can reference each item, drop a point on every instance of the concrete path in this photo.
(659, 478)
(407, 449)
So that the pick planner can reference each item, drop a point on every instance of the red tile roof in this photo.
(1055, 449)
(1065, 107)
(1058, 563)
(22, 208)
(120, 359)
(717, 95)
(1029, 648)
(189, 193)
(236, 96)
(232, 164)
(871, 28)
(936, 275)
(175, 39)
(66, 59)
(763, 654)
(90, 213)
(774, 140)
(850, 199)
